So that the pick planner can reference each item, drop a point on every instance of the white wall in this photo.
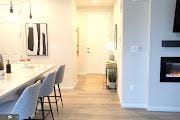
(135, 53)
(146, 24)
(162, 96)
(118, 19)
(60, 17)
(10, 28)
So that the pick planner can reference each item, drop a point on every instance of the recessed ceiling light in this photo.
(93, 1)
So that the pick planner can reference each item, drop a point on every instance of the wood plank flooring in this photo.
(91, 101)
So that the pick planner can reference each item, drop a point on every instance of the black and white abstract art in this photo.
(37, 39)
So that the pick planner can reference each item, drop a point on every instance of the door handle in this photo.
(88, 51)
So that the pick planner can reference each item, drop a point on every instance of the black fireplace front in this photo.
(170, 69)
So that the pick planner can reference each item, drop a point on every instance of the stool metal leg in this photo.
(50, 107)
(60, 94)
(36, 108)
(42, 107)
(56, 100)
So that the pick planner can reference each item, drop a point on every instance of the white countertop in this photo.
(21, 75)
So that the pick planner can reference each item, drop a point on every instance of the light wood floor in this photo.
(91, 101)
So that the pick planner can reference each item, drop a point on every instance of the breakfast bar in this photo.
(22, 75)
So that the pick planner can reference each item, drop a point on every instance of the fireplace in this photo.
(170, 69)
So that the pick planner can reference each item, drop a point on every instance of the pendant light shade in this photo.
(11, 10)
(11, 7)
(30, 14)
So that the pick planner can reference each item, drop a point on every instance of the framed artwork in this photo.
(37, 39)
(115, 36)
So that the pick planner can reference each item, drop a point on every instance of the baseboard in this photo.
(151, 109)
(132, 105)
(82, 73)
(119, 96)
(69, 87)
(163, 109)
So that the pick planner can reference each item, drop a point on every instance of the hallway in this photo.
(91, 101)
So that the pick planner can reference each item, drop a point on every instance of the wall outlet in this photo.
(131, 88)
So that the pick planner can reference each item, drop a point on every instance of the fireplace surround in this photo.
(170, 69)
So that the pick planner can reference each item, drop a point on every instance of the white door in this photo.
(96, 37)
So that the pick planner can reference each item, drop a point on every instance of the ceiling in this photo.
(95, 3)
(79, 3)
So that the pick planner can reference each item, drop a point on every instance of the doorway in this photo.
(94, 34)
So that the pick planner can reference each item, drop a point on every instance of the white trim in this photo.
(69, 87)
(75, 83)
(132, 105)
(82, 73)
(96, 9)
(119, 96)
(163, 109)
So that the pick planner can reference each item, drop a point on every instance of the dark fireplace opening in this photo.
(170, 69)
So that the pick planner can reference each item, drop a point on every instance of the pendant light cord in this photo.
(30, 15)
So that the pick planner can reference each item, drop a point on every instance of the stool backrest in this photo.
(59, 74)
(26, 104)
(47, 85)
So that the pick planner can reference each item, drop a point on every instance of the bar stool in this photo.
(45, 90)
(25, 106)
(59, 74)
(58, 80)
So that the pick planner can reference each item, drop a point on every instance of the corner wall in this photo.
(162, 96)
(135, 64)
(118, 19)
(146, 24)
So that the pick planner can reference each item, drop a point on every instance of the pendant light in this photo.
(12, 18)
(30, 14)
(11, 7)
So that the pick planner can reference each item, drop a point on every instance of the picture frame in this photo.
(115, 35)
(36, 39)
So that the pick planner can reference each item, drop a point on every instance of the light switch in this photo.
(140, 49)
(136, 49)
(138, 0)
